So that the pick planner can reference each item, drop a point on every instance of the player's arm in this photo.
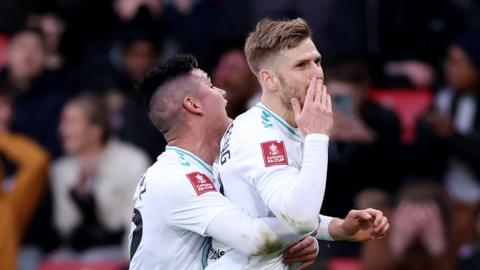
(294, 196)
(251, 236)
(201, 209)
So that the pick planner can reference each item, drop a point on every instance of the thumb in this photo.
(296, 107)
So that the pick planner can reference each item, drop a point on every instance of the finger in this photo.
(384, 231)
(301, 245)
(377, 215)
(302, 258)
(329, 102)
(318, 91)
(362, 214)
(305, 264)
(324, 95)
(296, 107)
(382, 225)
(311, 91)
(307, 251)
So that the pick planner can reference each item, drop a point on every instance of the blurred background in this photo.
(75, 139)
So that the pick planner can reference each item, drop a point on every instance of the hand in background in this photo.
(406, 225)
(349, 129)
(432, 231)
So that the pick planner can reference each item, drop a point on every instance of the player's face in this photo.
(75, 130)
(213, 99)
(295, 68)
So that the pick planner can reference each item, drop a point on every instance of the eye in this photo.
(212, 86)
(318, 61)
(301, 64)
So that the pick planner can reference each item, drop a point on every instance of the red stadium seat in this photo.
(80, 265)
(408, 104)
(344, 264)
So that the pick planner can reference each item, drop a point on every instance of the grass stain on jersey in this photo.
(268, 245)
(298, 227)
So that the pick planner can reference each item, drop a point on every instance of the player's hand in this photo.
(316, 116)
(361, 225)
(304, 252)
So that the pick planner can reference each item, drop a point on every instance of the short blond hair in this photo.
(272, 36)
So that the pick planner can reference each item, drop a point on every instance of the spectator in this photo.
(38, 94)
(421, 234)
(52, 27)
(448, 141)
(448, 137)
(27, 176)
(129, 119)
(233, 74)
(93, 183)
(365, 140)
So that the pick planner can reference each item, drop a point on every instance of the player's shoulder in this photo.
(255, 125)
(173, 176)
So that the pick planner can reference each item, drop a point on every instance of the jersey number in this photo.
(137, 233)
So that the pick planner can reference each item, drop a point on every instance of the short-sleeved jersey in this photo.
(174, 203)
(257, 146)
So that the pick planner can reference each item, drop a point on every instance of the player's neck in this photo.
(276, 106)
(198, 141)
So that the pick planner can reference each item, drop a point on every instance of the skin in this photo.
(460, 72)
(82, 139)
(25, 58)
(288, 75)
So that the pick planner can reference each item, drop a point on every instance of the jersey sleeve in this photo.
(190, 201)
(251, 236)
(294, 195)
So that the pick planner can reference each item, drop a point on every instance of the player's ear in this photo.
(269, 80)
(192, 105)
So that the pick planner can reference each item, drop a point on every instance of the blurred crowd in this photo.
(75, 138)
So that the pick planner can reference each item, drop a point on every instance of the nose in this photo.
(223, 93)
(317, 72)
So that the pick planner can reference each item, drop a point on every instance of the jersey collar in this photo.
(294, 133)
(187, 157)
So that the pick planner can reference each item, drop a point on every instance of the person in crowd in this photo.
(365, 141)
(233, 74)
(128, 120)
(53, 28)
(447, 146)
(39, 94)
(93, 183)
(422, 234)
(23, 175)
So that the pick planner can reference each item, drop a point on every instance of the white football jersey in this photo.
(174, 203)
(257, 145)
